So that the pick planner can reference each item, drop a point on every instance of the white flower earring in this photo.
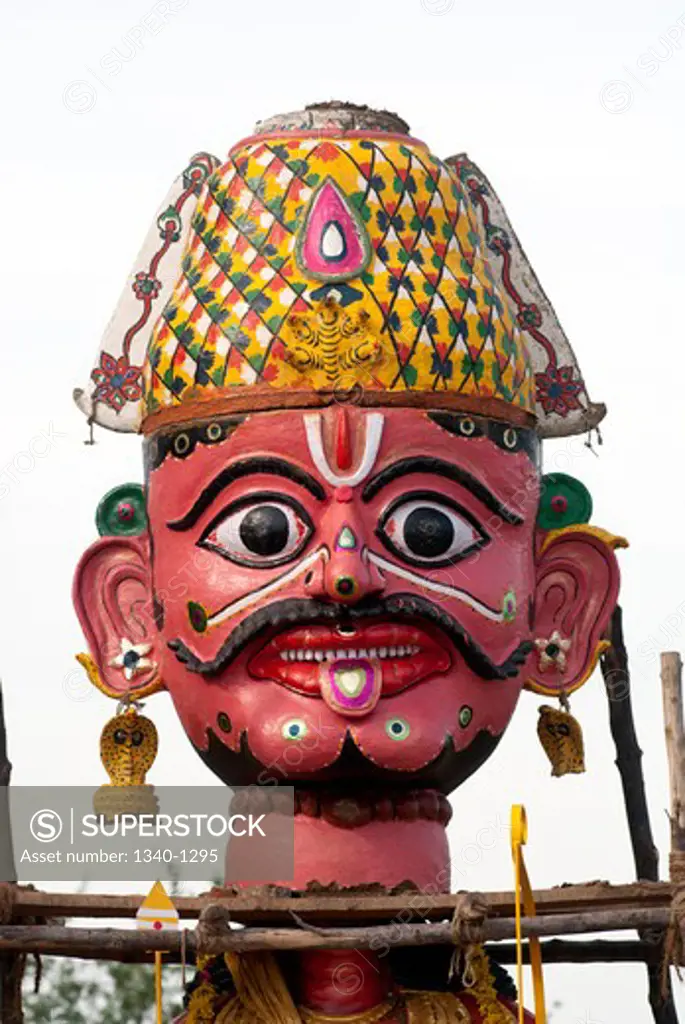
(552, 651)
(132, 658)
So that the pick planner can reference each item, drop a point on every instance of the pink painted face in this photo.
(344, 593)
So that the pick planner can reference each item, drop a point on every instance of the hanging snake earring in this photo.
(128, 748)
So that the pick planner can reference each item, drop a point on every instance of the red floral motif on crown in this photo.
(557, 391)
(145, 286)
(529, 315)
(117, 381)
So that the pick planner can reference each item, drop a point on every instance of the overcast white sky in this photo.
(574, 112)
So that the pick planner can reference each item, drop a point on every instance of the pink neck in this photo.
(371, 839)
(380, 852)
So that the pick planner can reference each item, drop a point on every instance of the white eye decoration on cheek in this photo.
(427, 529)
(262, 530)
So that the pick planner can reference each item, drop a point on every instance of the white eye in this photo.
(426, 530)
(262, 531)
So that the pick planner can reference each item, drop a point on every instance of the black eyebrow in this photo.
(276, 467)
(423, 464)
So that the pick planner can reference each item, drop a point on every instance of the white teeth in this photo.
(342, 654)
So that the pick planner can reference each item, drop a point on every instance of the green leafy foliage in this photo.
(83, 992)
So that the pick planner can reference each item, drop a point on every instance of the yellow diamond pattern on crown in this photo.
(433, 317)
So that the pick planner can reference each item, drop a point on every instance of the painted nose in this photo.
(346, 575)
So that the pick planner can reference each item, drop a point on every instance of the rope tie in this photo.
(673, 942)
(212, 924)
(677, 866)
(468, 923)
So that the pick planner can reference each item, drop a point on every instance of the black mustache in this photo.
(402, 607)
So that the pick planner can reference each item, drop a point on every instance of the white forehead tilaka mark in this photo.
(373, 422)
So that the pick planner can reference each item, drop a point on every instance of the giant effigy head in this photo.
(345, 564)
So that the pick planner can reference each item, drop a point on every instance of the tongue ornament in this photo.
(351, 686)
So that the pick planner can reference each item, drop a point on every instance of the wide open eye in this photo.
(262, 530)
(427, 529)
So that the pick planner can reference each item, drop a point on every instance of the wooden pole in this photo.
(554, 951)
(616, 675)
(262, 907)
(628, 753)
(672, 691)
(118, 943)
(12, 965)
(586, 951)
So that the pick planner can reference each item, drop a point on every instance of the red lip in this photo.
(407, 654)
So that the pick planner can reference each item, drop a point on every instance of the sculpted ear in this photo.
(577, 581)
(113, 599)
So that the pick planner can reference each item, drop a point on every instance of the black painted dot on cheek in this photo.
(224, 722)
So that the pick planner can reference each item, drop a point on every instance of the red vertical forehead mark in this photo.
(371, 427)
(343, 440)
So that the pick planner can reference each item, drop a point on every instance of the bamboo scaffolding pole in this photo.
(554, 951)
(587, 951)
(672, 691)
(264, 907)
(112, 943)
(616, 674)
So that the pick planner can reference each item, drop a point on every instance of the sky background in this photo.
(574, 112)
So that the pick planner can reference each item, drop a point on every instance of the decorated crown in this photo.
(331, 253)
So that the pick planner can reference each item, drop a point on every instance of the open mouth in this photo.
(343, 662)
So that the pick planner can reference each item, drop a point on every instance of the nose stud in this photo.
(345, 587)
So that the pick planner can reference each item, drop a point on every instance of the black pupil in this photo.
(428, 532)
(264, 530)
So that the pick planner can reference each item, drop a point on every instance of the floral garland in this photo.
(481, 985)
